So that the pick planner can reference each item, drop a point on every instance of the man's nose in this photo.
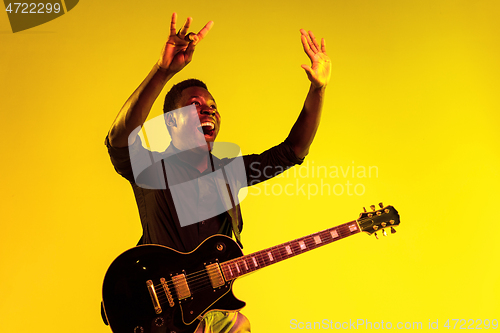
(208, 112)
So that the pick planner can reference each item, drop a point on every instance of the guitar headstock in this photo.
(379, 220)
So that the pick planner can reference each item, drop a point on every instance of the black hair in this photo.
(173, 96)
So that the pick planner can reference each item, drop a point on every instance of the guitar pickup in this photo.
(181, 286)
(215, 275)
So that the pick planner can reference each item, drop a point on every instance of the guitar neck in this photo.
(257, 260)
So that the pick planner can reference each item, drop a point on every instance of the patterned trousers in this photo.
(224, 322)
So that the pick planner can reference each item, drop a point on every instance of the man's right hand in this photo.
(176, 54)
(178, 51)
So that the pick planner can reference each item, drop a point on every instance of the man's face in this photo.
(204, 119)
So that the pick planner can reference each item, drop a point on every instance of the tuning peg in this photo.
(393, 231)
(364, 209)
(372, 207)
(376, 236)
(381, 205)
(384, 233)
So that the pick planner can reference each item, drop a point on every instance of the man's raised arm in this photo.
(175, 55)
(304, 129)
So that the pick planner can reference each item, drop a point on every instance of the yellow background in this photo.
(414, 92)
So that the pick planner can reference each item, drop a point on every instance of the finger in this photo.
(314, 46)
(305, 45)
(190, 37)
(185, 28)
(310, 46)
(204, 31)
(195, 40)
(188, 54)
(303, 33)
(309, 72)
(323, 45)
(173, 30)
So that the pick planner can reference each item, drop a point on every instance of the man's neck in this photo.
(199, 158)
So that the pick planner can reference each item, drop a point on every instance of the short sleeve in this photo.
(270, 163)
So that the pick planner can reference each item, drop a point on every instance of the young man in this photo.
(193, 121)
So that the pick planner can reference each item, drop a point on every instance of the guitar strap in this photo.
(233, 212)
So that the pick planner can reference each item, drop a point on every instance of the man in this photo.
(193, 121)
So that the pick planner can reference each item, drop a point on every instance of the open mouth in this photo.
(207, 128)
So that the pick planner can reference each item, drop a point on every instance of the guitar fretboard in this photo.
(257, 260)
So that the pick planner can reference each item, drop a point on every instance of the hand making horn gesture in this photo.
(179, 48)
(319, 71)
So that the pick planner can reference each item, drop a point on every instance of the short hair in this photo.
(174, 95)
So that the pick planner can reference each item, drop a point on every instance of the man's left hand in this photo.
(319, 71)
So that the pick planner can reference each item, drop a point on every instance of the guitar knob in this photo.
(372, 207)
(159, 321)
(381, 205)
(393, 231)
(384, 233)
(376, 236)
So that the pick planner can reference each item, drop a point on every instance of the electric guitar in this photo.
(153, 288)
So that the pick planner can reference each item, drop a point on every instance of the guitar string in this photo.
(198, 282)
(195, 284)
(261, 255)
(341, 231)
(206, 285)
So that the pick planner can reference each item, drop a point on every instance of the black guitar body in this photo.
(128, 301)
(155, 289)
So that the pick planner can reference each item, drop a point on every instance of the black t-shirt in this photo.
(159, 217)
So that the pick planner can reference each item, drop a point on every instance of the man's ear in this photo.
(170, 119)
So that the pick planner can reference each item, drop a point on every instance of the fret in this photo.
(252, 262)
(246, 265)
(277, 252)
(251, 266)
(342, 231)
(295, 247)
(310, 244)
(264, 258)
(326, 237)
(255, 263)
(240, 267)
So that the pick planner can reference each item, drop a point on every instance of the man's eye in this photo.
(196, 103)
(213, 107)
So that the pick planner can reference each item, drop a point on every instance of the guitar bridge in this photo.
(166, 289)
(181, 286)
(215, 275)
(154, 297)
